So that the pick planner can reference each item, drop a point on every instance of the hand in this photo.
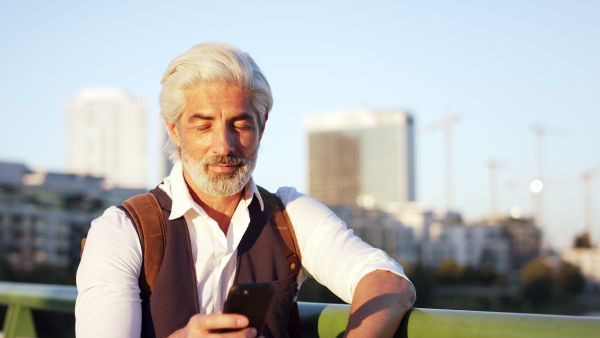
(205, 325)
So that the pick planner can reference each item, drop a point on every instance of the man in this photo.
(216, 102)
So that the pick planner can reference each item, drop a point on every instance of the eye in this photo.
(243, 125)
(202, 127)
(198, 124)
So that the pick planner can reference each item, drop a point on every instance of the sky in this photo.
(502, 66)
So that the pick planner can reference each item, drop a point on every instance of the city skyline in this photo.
(502, 66)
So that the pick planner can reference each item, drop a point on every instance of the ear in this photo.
(173, 133)
(262, 127)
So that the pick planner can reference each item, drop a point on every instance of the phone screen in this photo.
(251, 300)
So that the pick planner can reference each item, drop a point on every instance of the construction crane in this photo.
(494, 165)
(537, 198)
(586, 178)
(534, 186)
(540, 131)
(446, 125)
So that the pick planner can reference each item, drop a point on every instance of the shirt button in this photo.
(219, 234)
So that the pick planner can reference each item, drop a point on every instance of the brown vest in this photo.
(260, 258)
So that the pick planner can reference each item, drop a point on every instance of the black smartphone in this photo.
(251, 300)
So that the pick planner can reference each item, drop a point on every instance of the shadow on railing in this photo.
(326, 320)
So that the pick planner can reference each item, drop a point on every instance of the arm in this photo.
(331, 253)
(359, 274)
(107, 279)
(380, 302)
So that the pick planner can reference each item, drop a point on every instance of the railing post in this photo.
(19, 322)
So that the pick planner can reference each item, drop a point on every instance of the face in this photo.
(218, 135)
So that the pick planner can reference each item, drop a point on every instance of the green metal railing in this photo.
(326, 320)
(21, 298)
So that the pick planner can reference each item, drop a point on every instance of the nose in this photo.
(223, 141)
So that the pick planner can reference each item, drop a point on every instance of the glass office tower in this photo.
(361, 157)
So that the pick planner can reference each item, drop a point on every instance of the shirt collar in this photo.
(252, 190)
(183, 201)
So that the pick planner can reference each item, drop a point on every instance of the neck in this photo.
(220, 209)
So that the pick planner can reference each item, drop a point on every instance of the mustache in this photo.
(225, 159)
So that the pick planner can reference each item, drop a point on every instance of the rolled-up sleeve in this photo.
(331, 253)
(108, 302)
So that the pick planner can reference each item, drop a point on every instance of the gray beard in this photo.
(219, 184)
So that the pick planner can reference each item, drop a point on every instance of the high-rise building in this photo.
(361, 157)
(106, 136)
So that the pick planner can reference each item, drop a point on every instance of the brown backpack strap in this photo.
(284, 229)
(280, 221)
(147, 216)
(82, 246)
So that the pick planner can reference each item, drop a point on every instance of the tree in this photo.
(583, 241)
(424, 282)
(487, 275)
(569, 279)
(447, 271)
(6, 272)
(537, 281)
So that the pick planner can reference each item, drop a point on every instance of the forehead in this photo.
(221, 96)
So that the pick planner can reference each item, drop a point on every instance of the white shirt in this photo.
(109, 305)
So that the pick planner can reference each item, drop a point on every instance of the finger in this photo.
(217, 321)
(248, 332)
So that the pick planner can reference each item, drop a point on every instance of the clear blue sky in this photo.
(502, 65)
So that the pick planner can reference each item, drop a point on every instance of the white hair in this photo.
(211, 63)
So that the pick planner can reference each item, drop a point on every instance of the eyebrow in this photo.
(200, 116)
